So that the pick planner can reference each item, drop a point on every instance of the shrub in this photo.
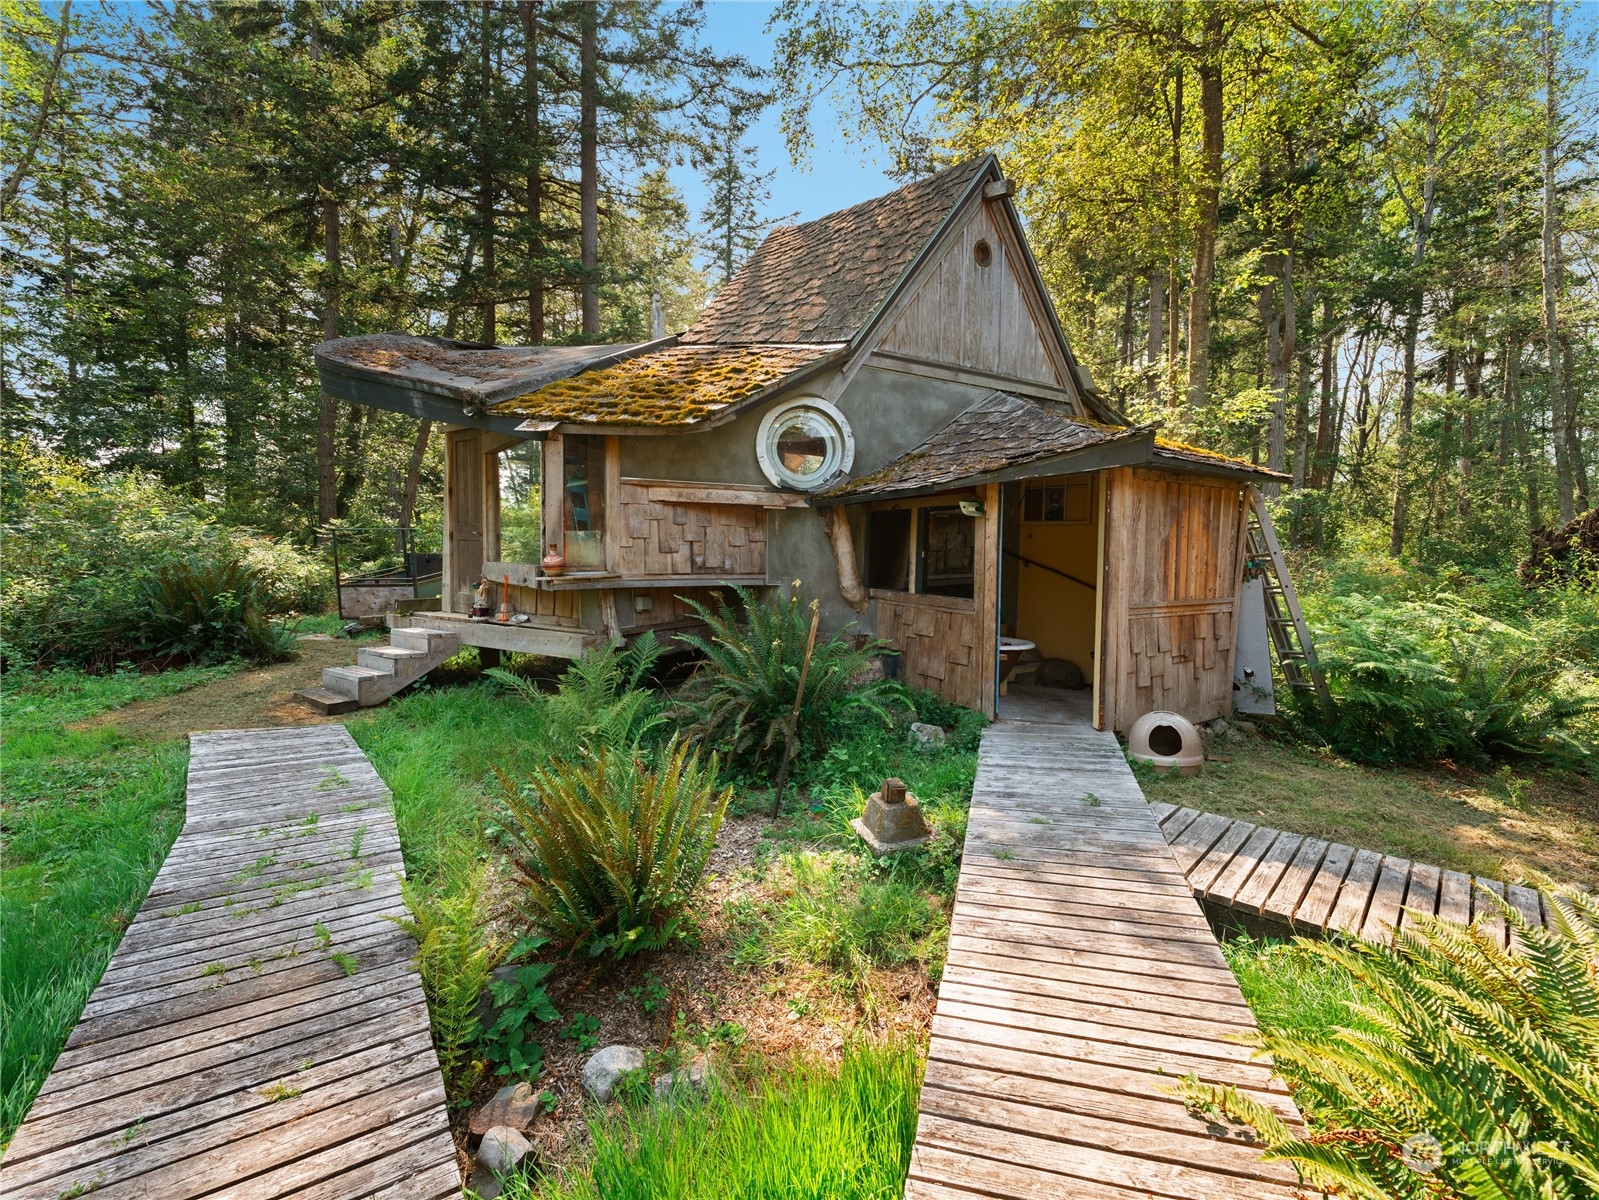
(455, 953)
(806, 1131)
(599, 704)
(518, 1002)
(1483, 1062)
(203, 611)
(609, 850)
(742, 696)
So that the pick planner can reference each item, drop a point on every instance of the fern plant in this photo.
(609, 849)
(742, 695)
(205, 610)
(1474, 1072)
(455, 954)
(600, 703)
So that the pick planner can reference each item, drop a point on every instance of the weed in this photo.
(75, 1190)
(133, 1132)
(254, 963)
(355, 841)
(261, 865)
(1004, 854)
(1038, 820)
(358, 806)
(359, 880)
(214, 969)
(348, 962)
(324, 936)
(1092, 800)
(518, 1002)
(651, 995)
(584, 1030)
(331, 780)
(193, 906)
(280, 1091)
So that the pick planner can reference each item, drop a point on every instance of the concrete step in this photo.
(328, 703)
(431, 641)
(381, 671)
(361, 684)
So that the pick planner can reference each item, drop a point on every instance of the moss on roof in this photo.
(1188, 451)
(676, 385)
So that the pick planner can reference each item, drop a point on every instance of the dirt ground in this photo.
(252, 699)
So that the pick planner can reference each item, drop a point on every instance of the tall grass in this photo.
(89, 816)
(804, 1132)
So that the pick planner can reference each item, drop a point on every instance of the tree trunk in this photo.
(1471, 377)
(1307, 373)
(1157, 318)
(589, 164)
(1211, 113)
(327, 499)
(1422, 227)
(413, 473)
(528, 10)
(1321, 457)
(1278, 321)
(1129, 295)
(488, 306)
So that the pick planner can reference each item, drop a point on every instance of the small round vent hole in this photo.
(983, 254)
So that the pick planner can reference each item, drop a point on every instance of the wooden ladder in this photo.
(1290, 636)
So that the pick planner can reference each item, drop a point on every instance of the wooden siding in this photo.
(976, 317)
(662, 537)
(1173, 553)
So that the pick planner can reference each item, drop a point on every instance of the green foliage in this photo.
(1482, 1061)
(806, 1131)
(832, 910)
(518, 1002)
(600, 703)
(455, 953)
(89, 815)
(1414, 682)
(206, 611)
(584, 1030)
(92, 560)
(742, 696)
(609, 849)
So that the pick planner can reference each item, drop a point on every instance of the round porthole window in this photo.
(804, 444)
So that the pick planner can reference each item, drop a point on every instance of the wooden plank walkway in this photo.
(1314, 886)
(259, 1031)
(1082, 983)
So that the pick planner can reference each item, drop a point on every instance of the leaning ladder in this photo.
(1290, 636)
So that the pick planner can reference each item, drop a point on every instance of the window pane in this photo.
(521, 467)
(949, 553)
(802, 443)
(583, 506)
(888, 537)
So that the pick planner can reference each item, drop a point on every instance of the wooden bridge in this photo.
(1280, 882)
(260, 1031)
(1082, 984)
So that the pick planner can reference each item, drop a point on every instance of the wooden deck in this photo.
(1082, 983)
(1286, 881)
(259, 1031)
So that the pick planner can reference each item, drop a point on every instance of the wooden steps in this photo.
(1312, 886)
(1082, 984)
(260, 1031)
(381, 671)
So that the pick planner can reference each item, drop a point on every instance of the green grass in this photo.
(438, 749)
(1290, 990)
(88, 818)
(805, 1131)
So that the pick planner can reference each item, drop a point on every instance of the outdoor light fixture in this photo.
(971, 508)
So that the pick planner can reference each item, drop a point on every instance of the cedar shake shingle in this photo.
(822, 281)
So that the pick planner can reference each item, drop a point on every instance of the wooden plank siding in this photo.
(225, 1052)
(1314, 887)
(672, 538)
(1173, 556)
(1082, 983)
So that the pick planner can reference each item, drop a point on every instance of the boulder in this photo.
(601, 1072)
(515, 1107)
(500, 1156)
(925, 736)
(692, 1079)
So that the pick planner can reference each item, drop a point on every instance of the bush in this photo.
(804, 1132)
(609, 850)
(1481, 1062)
(742, 696)
(207, 611)
(599, 703)
(1414, 682)
(80, 546)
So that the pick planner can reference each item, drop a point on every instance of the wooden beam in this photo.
(999, 189)
(676, 492)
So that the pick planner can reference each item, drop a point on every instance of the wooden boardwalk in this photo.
(259, 1031)
(1292, 882)
(1082, 983)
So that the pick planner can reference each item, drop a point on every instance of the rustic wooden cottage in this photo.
(880, 404)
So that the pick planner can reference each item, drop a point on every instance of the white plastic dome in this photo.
(1166, 740)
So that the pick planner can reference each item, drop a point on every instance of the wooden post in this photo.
(793, 717)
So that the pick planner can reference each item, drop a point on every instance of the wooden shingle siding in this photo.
(1173, 548)
(973, 316)
(658, 537)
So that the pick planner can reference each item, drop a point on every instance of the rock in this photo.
(694, 1078)
(515, 1107)
(499, 1157)
(927, 736)
(892, 821)
(1248, 727)
(601, 1073)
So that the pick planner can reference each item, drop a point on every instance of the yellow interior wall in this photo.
(1056, 613)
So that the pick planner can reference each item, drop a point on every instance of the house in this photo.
(881, 404)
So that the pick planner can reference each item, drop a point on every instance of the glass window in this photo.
(888, 550)
(805, 444)
(521, 496)
(583, 505)
(948, 553)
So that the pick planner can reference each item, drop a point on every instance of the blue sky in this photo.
(837, 174)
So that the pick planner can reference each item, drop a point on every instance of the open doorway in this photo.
(1051, 549)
